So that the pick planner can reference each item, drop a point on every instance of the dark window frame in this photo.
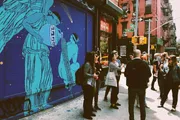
(148, 6)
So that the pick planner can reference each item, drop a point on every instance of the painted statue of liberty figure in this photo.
(39, 21)
(68, 60)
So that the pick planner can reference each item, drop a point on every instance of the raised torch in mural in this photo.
(68, 60)
(40, 22)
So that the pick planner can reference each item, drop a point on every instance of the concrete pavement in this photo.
(72, 110)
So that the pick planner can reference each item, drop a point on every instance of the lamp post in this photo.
(149, 35)
(136, 19)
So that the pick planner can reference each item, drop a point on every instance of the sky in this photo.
(176, 9)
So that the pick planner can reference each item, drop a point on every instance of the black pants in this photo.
(153, 81)
(161, 83)
(88, 98)
(175, 90)
(114, 92)
(98, 84)
(132, 95)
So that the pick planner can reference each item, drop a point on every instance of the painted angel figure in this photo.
(35, 16)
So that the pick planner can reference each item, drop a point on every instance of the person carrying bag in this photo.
(112, 79)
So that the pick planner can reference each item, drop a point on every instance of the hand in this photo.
(95, 76)
(122, 65)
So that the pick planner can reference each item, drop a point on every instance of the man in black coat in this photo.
(137, 73)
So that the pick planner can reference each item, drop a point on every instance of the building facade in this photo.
(152, 10)
(169, 29)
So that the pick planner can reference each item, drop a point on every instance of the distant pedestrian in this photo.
(163, 70)
(137, 73)
(172, 82)
(89, 84)
(156, 63)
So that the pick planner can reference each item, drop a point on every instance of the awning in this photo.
(110, 5)
(170, 48)
(113, 7)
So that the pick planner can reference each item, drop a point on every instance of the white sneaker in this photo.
(173, 110)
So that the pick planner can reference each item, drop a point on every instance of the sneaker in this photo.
(117, 104)
(173, 110)
(146, 106)
(114, 107)
(153, 89)
(160, 106)
(92, 114)
(97, 108)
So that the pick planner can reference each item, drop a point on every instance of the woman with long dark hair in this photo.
(89, 84)
(172, 82)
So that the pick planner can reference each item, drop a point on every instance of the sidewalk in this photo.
(72, 110)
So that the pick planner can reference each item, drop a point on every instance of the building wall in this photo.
(160, 37)
(141, 25)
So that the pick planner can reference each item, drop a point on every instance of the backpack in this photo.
(80, 75)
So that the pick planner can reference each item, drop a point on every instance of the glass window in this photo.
(105, 37)
(148, 6)
(134, 6)
(124, 27)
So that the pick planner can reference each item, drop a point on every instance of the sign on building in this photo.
(123, 50)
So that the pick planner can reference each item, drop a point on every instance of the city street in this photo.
(72, 110)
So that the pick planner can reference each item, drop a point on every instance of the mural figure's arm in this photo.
(75, 56)
(30, 20)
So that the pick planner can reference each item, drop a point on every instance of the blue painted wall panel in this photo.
(38, 71)
(89, 32)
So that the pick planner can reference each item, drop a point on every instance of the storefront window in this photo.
(105, 37)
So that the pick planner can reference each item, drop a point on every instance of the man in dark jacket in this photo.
(137, 73)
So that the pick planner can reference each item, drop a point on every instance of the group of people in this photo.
(137, 73)
(167, 72)
(91, 85)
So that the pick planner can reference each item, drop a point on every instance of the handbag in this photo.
(111, 79)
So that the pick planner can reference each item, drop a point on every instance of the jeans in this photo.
(132, 92)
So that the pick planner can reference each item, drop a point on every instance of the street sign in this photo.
(123, 50)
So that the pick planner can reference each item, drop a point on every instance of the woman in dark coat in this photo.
(172, 82)
(88, 86)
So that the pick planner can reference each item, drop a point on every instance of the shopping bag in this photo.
(111, 79)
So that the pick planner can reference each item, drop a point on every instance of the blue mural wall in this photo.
(42, 44)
